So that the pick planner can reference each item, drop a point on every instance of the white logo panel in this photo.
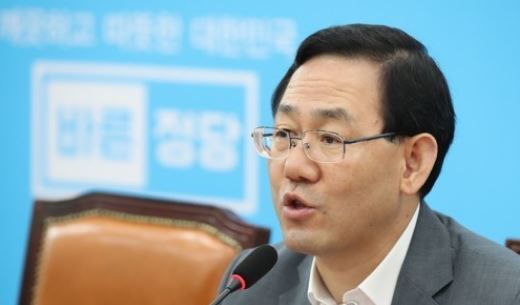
(96, 132)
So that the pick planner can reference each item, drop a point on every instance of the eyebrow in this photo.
(333, 113)
(286, 109)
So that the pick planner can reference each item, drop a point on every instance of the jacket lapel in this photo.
(296, 292)
(427, 267)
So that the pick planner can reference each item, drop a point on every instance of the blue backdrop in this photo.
(158, 98)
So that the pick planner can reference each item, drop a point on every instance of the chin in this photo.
(299, 241)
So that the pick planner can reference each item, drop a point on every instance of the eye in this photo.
(329, 139)
(281, 133)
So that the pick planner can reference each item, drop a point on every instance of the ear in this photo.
(420, 153)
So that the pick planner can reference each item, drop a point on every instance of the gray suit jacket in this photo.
(445, 265)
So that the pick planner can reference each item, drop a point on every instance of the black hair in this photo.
(414, 91)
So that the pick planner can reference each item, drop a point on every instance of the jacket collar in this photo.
(427, 267)
(297, 292)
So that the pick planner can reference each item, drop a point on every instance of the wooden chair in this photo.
(513, 244)
(102, 249)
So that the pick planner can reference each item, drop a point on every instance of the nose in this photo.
(298, 167)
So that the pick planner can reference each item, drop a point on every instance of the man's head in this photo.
(349, 83)
(415, 97)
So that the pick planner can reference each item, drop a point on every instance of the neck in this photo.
(345, 270)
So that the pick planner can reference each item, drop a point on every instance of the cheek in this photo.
(275, 171)
(340, 181)
(364, 179)
(358, 199)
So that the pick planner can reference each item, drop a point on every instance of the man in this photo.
(363, 120)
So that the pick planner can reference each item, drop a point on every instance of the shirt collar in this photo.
(317, 293)
(379, 285)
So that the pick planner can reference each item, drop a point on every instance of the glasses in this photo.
(319, 145)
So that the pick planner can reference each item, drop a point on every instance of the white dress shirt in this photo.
(378, 287)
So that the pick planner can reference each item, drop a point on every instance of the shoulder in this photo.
(471, 246)
(457, 266)
(481, 265)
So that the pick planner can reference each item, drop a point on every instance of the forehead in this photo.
(333, 87)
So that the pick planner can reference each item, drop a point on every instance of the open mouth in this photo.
(294, 202)
(296, 209)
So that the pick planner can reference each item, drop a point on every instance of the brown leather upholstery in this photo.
(513, 244)
(112, 250)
